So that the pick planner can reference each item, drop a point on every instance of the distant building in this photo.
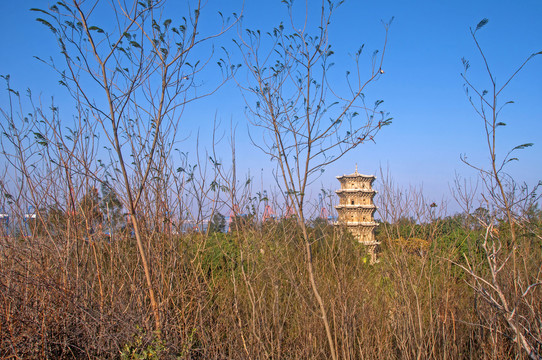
(356, 209)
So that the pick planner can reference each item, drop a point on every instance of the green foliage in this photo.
(218, 223)
(533, 230)
(141, 349)
(221, 251)
(481, 24)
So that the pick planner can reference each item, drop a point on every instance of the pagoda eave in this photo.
(356, 191)
(355, 176)
(358, 223)
(338, 207)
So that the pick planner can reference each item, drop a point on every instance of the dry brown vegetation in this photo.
(245, 294)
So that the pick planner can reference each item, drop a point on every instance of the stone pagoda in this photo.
(356, 209)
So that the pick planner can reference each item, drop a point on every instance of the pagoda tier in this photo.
(356, 213)
(355, 197)
(364, 234)
(356, 181)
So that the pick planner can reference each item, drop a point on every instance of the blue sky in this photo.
(422, 88)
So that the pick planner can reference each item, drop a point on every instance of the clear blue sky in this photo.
(422, 89)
